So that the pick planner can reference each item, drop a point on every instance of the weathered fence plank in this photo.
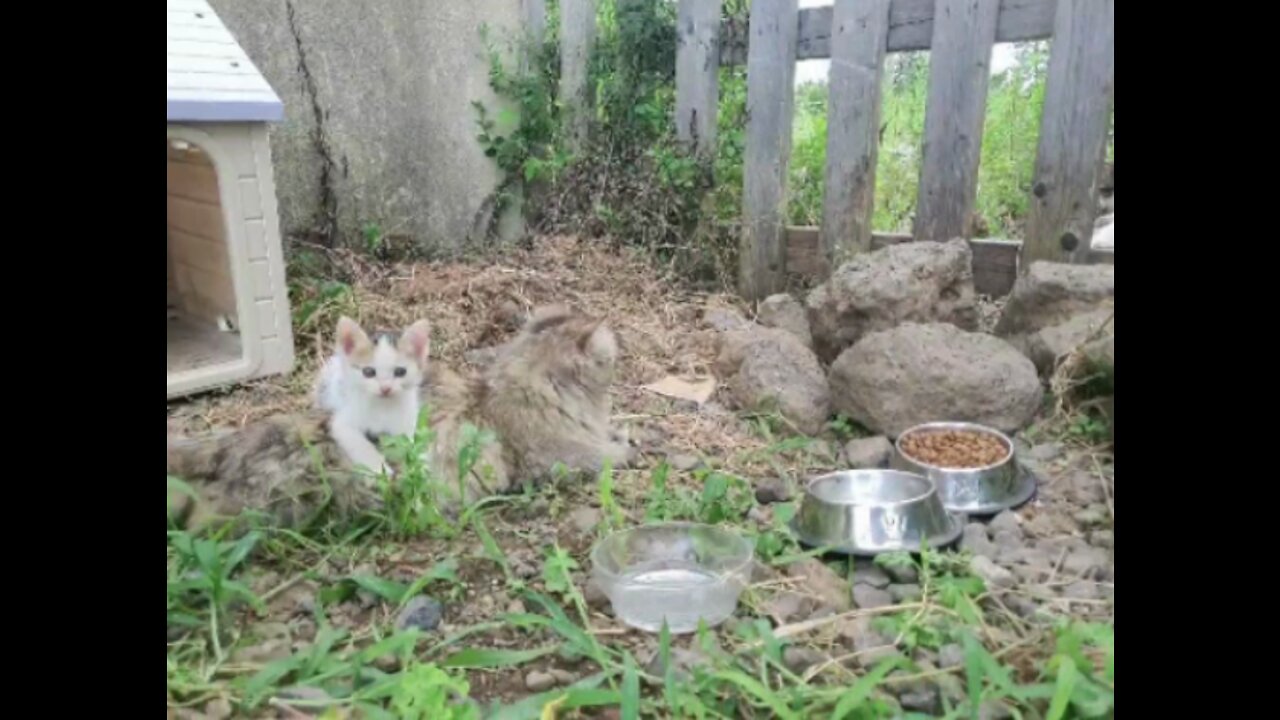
(771, 70)
(910, 28)
(577, 35)
(861, 28)
(533, 15)
(1078, 97)
(698, 73)
(959, 71)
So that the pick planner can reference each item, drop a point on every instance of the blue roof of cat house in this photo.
(211, 79)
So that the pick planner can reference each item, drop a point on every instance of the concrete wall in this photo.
(378, 126)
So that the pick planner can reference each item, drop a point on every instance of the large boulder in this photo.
(917, 373)
(784, 312)
(908, 282)
(770, 369)
(1052, 293)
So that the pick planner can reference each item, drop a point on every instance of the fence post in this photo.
(959, 71)
(577, 36)
(771, 67)
(1078, 97)
(859, 36)
(698, 73)
(533, 16)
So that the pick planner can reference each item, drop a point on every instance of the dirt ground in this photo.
(473, 306)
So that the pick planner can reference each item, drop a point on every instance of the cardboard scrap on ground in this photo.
(697, 390)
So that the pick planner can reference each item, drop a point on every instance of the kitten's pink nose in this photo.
(385, 390)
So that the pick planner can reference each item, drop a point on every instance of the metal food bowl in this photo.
(868, 512)
(974, 491)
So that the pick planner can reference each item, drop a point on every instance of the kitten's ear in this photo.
(416, 341)
(598, 342)
(350, 336)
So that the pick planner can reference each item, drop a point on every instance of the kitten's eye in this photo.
(399, 372)
(370, 372)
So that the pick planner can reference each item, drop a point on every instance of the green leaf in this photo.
(487, 658)
(630, 689)
(1068, 675)
(753, 687)
(857, 694)
(389, 590)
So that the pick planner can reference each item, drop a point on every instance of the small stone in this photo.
(821, 582)
(303, 692)
(722, 319)
(1007, 520)
(387, 663)
(761, 514)
(951, 688)
(994, 710)
(992, 574)
(901, 570)
(976, 541)
(684, 462)
(682, 661)
(870, 574)
(786, 605)
(922, 700)
(775, 490)
(563, 677)
(217, 709)
(1081, 590)
(516, 607)
(422, 612)
(1044, 452)
(905, 592)
(1103, 539)
(538, 681)
(951, 655)
(596, 598)
(799, 659)
(585, 519)
(872, 452)
(1087, 562)
(867, 597)
(1092, 516)
(1006, 540)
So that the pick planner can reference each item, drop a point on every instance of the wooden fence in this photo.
(856, 35)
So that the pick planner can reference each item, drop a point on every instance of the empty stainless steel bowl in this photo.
(974, 491)
(867, 512)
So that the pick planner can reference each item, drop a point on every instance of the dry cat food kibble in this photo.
(954, 448)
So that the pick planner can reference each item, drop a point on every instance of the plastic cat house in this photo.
(228, 314)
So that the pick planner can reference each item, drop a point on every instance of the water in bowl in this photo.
(681, 595)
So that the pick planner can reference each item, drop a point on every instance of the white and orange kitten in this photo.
(371, 388)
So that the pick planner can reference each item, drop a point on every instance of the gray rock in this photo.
(771, 370)
(422, 612)
(872, 452)
(1081, 590)
(905, 592)
(596, 598)
(994, 710)
(539, 681)
(871, 574)
(995, 577)
(868, 598)
(916, 695)
(785, 606)
(1007, 520)
(894, 379)
(723, 319)
(821, 582)
(798, 659)
(1007, 540)
(951, 655)
(683, 462)
(1046, 345)
(1044, 452)
(898, 571)
(773, 490)
(585, 519)
(1087, 563)
(563, 677)
(1052, 293)
(217, 709)
(976, 541)
(909, 282)
(683, 660)
(870, 644)
(786, 313)
(1103, 539)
